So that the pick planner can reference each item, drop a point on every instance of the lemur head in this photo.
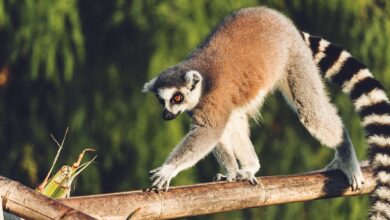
(177, 89)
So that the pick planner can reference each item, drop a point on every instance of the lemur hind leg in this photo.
(306, 91)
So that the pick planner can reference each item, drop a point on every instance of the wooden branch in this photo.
(27, 203)
(216, 197)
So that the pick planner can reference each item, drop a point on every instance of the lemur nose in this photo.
(167, 115)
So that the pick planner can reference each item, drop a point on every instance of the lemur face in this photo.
(176, 99)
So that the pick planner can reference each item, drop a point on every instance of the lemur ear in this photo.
(192, 78)
(148, 87)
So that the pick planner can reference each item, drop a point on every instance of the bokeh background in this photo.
(82, 64)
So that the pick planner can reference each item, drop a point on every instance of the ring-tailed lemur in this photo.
(223, 83)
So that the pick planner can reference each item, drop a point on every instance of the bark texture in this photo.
(208, 198)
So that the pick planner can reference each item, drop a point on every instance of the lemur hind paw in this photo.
(352, 171)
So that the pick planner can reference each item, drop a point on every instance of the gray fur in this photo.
(195, 146)
(224, 154)
(346, 161)
(310, 99)
(172, 77)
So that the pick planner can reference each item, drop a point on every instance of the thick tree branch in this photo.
(216, 197)
(29, 204)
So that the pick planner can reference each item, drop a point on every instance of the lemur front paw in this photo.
(352, 171)
(161, 177)
(244, 175)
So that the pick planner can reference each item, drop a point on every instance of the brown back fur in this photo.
(247, 53)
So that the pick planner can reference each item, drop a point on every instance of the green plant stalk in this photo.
(59, 185)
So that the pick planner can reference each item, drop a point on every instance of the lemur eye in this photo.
(177, 98)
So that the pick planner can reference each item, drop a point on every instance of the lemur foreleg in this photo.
(194, 146)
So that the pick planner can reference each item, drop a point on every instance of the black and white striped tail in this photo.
(372, 104)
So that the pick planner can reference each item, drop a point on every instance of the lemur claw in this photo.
(253, 181)
(154, 170)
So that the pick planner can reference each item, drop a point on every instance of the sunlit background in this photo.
(82, 64)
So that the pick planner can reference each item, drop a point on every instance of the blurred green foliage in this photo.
(83, 63)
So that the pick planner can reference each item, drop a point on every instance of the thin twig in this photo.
(57, 155)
